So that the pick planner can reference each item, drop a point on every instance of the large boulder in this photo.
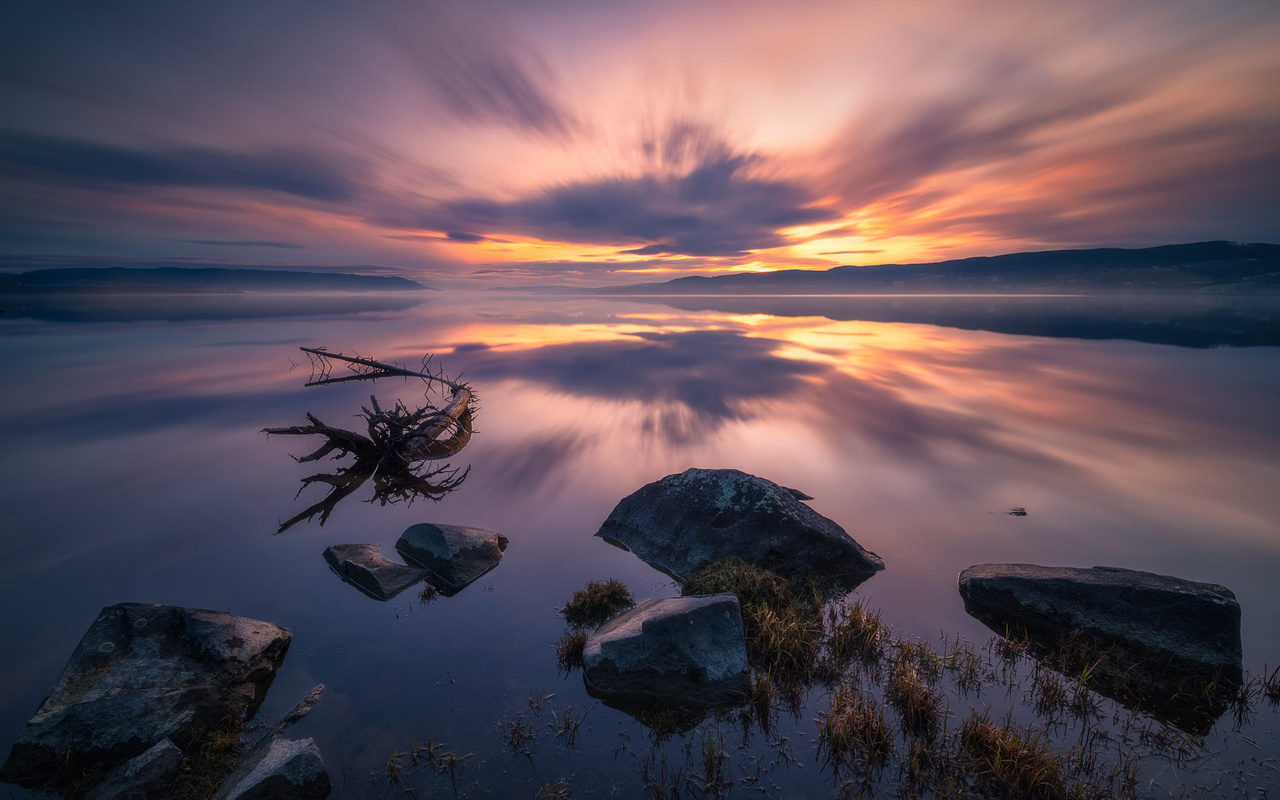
(1196, 625)
(142, 674)
(687, 650)
(687, 521)
(455, 554)
(363, 566)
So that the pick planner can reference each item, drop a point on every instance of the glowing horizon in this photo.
(577, 143)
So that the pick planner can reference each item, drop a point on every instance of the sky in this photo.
(559, 142)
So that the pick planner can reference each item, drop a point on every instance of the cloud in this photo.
(276, 169)
(478, 74)
(1096, 155)
(712, 206)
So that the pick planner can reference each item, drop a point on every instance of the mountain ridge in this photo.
(196, 280)
(1195, 266)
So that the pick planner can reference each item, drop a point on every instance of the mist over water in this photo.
(135, 471)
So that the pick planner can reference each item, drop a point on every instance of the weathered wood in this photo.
(399, 441)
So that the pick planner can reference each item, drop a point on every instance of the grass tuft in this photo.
(853, 735)
(208, 760)
(1013, 762)
(855, 634)
(597, 603)
(569, 650)
(918, 705)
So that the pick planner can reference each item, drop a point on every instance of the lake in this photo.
(1138, 434)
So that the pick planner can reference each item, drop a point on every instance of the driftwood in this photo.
(399, 443)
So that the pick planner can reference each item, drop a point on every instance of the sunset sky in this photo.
(590, 143)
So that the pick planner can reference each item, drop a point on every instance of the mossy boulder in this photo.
(684, 522)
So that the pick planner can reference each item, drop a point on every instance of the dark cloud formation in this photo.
(478, 71)
(714, 207)
(493, 87)
(81, 163)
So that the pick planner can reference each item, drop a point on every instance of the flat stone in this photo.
(456, 555)
(684, 522)
(1194, 625)
(142, 674)
(148, 775)
(281, 769)
(688, 650)
(1158, 645)
(363, 566)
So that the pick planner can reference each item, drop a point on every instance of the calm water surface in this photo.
(134, 470)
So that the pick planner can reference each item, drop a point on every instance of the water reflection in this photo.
(1198, 321)
(136, 471)
(1189, 700)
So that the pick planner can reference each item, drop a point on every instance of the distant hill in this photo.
(201, 280)
(1203, 266)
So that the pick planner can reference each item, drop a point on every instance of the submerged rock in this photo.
(687, 521)
(1158, 643)
(363, 566)
(688, 650)
(456, 555)
(281, 769)
(140, 675)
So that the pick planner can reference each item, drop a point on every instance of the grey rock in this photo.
(147, 776)
(280, 769)
(363, 566)
(687, 521)
(1187, 626)
(456, 555)
(142, 674)
(689, 650)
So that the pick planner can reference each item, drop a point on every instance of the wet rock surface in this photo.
(1195, 624)
(686, 521)
(687, 650)
(280, 769)
(456, 555)
(363, 566)
(140, 675)
(148, 775)
(1160, 644)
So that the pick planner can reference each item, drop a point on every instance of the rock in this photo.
(363, 566)
(456, 555)
(689, 650)
(281, 769)
(148, 775)
(142, 674)
(1193, 625)
(685, 522)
